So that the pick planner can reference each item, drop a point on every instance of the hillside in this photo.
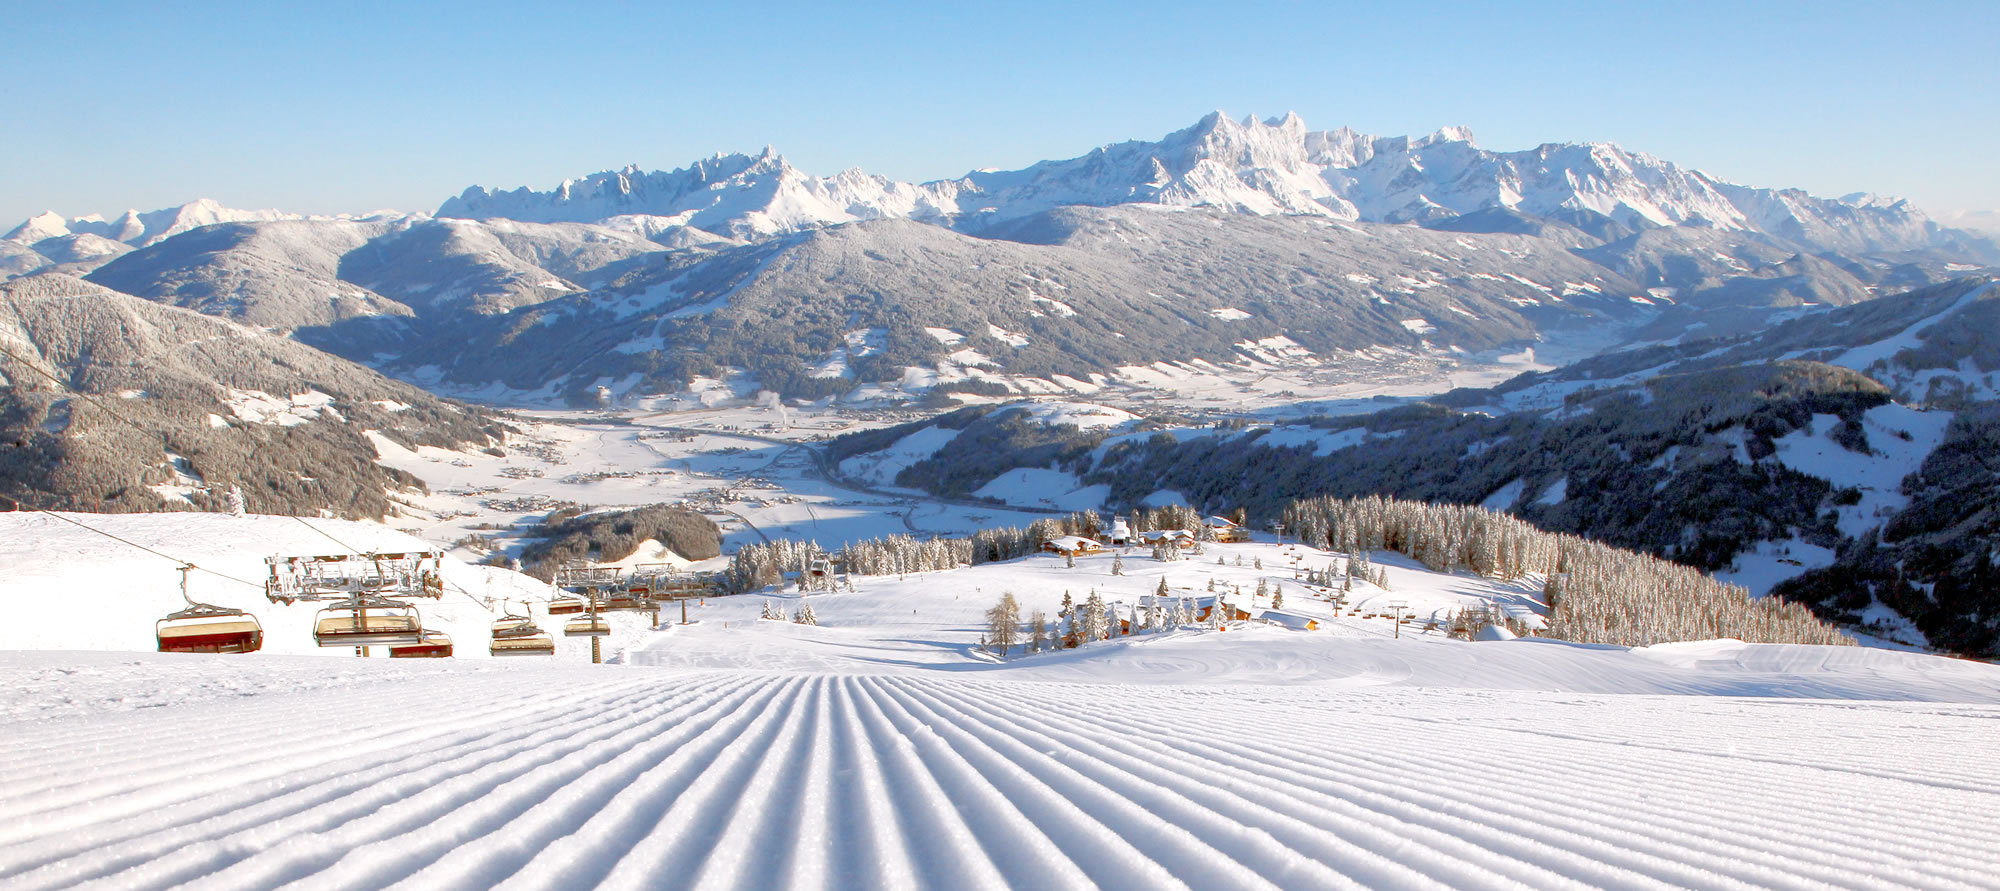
(115, 403)
(1065, 298)
(1857, 483)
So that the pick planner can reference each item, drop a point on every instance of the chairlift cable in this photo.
(143, 547)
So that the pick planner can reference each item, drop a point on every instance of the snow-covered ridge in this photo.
(1275, 166)
(138, 229)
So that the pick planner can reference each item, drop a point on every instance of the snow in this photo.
(1505, 497)
(1761, 568)
(1229, 314)
(1082, 415)
(259, 407)
(1323, 442)
(1040, 487)
(1878, 475)
(1556, 493)
(1419, 326)
(882, 749)
(945, 336)
(1010, 338)
(882, 467)
(1862, 358)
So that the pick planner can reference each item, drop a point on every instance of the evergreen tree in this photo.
(1096, 617)
(1003, 622)
(1278, 599)
(805, 616)
(1117, 564)
(237, 507)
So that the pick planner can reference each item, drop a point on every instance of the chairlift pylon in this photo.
(364, 588)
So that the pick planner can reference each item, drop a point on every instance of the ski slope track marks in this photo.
(634, 777)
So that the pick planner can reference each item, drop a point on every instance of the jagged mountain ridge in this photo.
(1260, 167)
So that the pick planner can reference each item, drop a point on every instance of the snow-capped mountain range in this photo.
(1332, 240)
(1275, 166)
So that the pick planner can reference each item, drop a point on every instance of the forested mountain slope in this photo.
(113, 403)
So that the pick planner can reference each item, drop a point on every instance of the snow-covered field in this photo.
(881, 748)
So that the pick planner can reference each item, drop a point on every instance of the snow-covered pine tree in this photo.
(1117, 564)
(1096, 617)
(1263, 591)
(806, 616)
(1161, 591)
(237, 507)
(1067, 607)
(1278, 599)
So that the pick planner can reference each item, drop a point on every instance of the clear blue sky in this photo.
(337, 107)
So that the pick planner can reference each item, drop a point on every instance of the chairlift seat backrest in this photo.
(539, 644)
(435, 645)
(219, 634)
(368, 626)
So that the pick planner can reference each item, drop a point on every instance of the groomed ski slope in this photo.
(473, 776)
(880, 749)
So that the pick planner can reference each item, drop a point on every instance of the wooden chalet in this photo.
(1071, 545)
(1290, 620)
(1177, 537)
(1226, 531)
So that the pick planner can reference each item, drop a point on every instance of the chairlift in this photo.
(201, 628)
(627, 602)
(591, 625)
(207, 628)
(518, 635)
(820, 567)
(369, 621)
(435, 645)
(564, 606)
